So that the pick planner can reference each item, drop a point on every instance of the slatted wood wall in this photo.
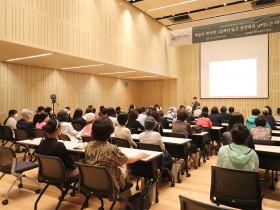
(188, 83)
(109, 31)
(28, 87)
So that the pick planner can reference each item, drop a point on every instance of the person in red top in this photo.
(204, 121)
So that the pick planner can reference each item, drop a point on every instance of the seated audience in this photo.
(132, 121)
(231, 109)
(190, 117)
(11, 120)
(156, 116)
(50, 146)
(224, 114)
(42, 119)
(118, 110)
(100, 114)
(236, 155)
(121, 131)
(40, 110)
(260, 131)
(24, 124)
(197, 112)
(163, 120)
(149, 136)
(66, 127)
(181, 126)
(250, 123)
(268, 117)
(236, 118)
(49, 111)
(215, 117)
(78, 118)
(205, 109)
(86, 131)
(131, 108)
(204, 121)
(171, 113)
(141, 117)
(101, 153)
(69, 113)
(111, 113)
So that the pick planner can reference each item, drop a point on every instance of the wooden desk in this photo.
(269, 158)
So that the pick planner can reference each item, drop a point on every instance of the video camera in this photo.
(53, 98)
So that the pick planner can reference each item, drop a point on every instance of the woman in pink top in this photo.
(42, 120)
(86, 131)
(204, 121)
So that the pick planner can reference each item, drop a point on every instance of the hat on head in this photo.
(26, 111)
(89, 117)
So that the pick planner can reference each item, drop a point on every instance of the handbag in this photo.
(197, 129)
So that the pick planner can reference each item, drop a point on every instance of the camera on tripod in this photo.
(53, 98)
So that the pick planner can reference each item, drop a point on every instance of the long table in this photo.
(146, 168)
(269, 158)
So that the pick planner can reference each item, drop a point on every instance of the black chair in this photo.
(101, 187)
(77, 127)
(7, 135)
(236, 188)
(87, 138)
(175, 135)
(39, 133)
(10, 165)
(52, 172)
(64, 137)
(266, 142)
(190, 204)
(21, 134)
(121, 142)
(164, 166)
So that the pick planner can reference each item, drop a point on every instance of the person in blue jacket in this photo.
(250, 123)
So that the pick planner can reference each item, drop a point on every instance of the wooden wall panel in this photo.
(188, 83)
(110, 31)
(28, 87)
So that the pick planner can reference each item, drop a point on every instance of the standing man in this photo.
(195, 103)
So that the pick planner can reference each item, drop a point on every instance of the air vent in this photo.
(181, 18)
(262, 2)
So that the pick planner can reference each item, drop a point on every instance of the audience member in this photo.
(111, 113)
(269, 118)
(190, 117)
(66, 127)
(118, 110)
(171, 113)
(78, 118)
(132, 121)
(86, 131)
(260, 131)
(131, 108)
(250, 123)
(69, 113)
(215, 117)
(149, 136)
(231, 109)
(50, 146)
(24, 124)
(158, 127)
(11, 120)
(42, 119)
(100, 111)
(181, 126)
(100, 152)
(121, 131)
(163, 120)
(40, 110)
(224, 114)
(204, 121)
(197, 112)
(236, 118)
(269, 109)
(236, 155)
(141, 117)
(49, 111)
(205, 109)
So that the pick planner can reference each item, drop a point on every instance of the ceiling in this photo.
(54, 60)
(179, 14)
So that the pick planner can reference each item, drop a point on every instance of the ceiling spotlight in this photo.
(225, 4)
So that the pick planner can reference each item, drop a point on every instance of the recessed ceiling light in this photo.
(119, 72)
(172, 5)
(78, 67)
(225, 4)
(28, 57)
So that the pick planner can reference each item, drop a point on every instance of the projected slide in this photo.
(234, 68)
(225, 78)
